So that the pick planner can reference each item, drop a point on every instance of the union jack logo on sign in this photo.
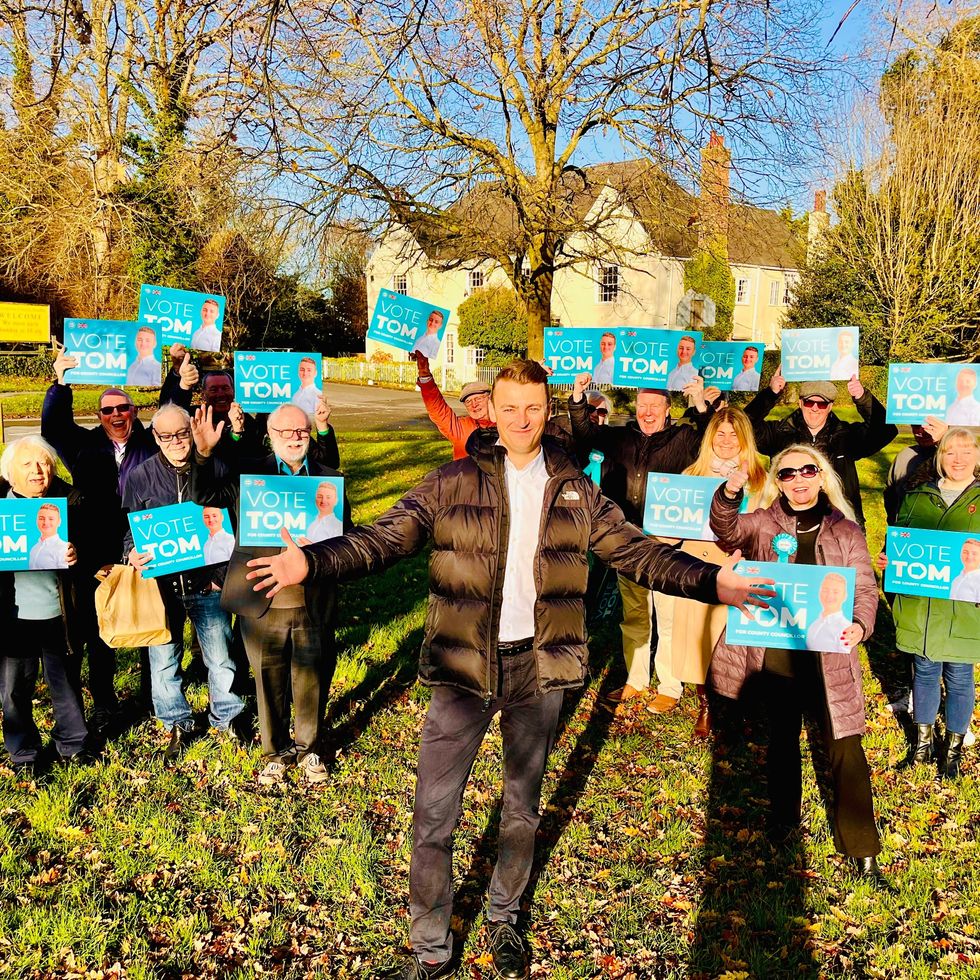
(905, 534)
(905, 369)
(630, 333)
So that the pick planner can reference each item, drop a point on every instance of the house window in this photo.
(479, 355)
(741, 290)
(448, 348)
(775, 293)
(608, 283)
(475, 279)
(789, 285)
(400, 284)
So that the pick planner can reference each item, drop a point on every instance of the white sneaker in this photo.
(313, 768)
(274, 773)
(969, 738)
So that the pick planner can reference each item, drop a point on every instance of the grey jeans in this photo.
(454, 729)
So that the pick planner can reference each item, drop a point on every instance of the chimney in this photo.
(817, 224)
(715, 196)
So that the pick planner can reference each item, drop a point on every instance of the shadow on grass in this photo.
(752, 915)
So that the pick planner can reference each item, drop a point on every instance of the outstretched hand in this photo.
(206, 434)
(581, 383)
(742, 591)
(276, 572)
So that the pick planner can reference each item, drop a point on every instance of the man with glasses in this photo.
(814, 424)
(242, 435)
(170, 477)
(289, 638)
(100, 460)
(475, 397)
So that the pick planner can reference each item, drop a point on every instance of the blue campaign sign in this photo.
(408, 324)
(113, 352)
(571, 351)
(264, 380)
(677, 506)
(731, 365)
(651, 357)
(938, 564)
(311, 508)
(812, 607)
(820, 354)
(180, 537)
(947, 391)
(33, 533)
(184, 316)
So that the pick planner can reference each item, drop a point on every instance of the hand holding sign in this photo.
(935, 427)
(63, 362)
(778, 382)
(694, 390)
(737, 480)
(139, 560)
(71, 555)
(582, 381)
(206, 434)
(881, 562)
(740, 591)
(278, 571)
(422, 363)
(852, 636)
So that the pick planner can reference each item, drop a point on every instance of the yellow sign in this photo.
(22, 323)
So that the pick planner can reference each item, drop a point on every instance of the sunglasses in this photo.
(108, 410)
(598, 411)
(787, 473)
(168, 437)
(292, 433)
(816, 403)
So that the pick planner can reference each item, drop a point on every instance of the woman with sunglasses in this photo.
(692, 628)
(941, 634)
(804, 512)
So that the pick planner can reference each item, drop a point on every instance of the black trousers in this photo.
(294, 659)
(787, 700)
(454, 728)
(45, 641)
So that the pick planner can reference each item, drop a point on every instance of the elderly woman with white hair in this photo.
(40, 620)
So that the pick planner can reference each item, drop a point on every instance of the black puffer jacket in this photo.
(463, 508)
(841, 442)
(630, 455)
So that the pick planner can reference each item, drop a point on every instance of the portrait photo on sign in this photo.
(184, 316)
(408, 324)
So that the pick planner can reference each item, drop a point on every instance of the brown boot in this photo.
(702, 727)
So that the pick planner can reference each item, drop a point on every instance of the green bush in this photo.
(28, 364)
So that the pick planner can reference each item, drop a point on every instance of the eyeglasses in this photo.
(181, 435)
(787, 473)
(108, 410)
(598, 411)
(292, 433)
(816, 403)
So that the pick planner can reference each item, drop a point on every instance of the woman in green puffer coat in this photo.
(942, 634)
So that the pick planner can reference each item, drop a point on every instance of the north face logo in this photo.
(570, 495)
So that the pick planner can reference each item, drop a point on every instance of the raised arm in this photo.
(586, 434)
(872, 433)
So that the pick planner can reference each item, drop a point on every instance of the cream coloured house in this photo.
(646, 239)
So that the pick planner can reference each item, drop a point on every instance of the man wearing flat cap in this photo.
(475, 397)
(650, 443)
(815, 424)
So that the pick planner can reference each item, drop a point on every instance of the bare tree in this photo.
(468, 122)
(909, 204)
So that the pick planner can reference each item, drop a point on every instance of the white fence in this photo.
(401, 374)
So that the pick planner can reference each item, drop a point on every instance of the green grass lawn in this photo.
(23, 397)
(650, 864)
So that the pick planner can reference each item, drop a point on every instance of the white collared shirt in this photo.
(525, 495)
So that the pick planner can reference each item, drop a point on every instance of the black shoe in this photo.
(507, 949)
(867, 870)
(781, 835)
(924, 750)
(105, 721)
(24, 770)
(80, 758)
(954, 756)
(180, 738)
(412, 968)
